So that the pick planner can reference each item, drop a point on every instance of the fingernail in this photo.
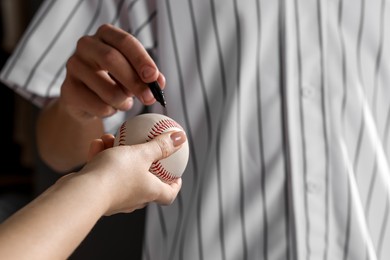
(178, 138)
(148, 72)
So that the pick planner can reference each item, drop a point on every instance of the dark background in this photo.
(24, 175)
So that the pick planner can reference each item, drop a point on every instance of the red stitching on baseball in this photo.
(161, 172)
(158, 128)
(122, 134)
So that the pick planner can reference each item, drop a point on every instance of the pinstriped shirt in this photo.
(286, 106)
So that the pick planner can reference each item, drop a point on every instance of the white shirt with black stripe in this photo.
(286, 105)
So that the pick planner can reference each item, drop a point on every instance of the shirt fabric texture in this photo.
(286, 106)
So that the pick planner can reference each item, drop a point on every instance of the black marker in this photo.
(157, 92)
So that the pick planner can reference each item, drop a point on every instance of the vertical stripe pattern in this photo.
(286, 109)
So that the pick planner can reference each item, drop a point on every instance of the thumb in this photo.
(167, 144)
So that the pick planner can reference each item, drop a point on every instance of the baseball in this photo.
(143, 128)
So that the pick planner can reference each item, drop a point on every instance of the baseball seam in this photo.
(158, 128)
(122, 134)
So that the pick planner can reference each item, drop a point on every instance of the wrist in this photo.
(87, 188)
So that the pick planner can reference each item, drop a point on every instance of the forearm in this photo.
(115, 180)
(55, 223)
(63, 141)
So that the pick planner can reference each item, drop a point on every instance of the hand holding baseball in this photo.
(123, 171)
(145, 128)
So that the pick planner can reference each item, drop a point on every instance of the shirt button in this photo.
(307, 92)
(312, 187)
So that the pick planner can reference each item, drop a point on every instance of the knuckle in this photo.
(114, 97)
(109, 57)
(124, 40)
(110, 95)
(163, 147)
(71, 63)
(103, 29)
(83, 43)
(169, 200)
(105, 111)
(140, 58)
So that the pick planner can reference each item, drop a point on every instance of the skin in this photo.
(115, 180)
(105, 73)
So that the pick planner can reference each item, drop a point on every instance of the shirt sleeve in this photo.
(37, 67)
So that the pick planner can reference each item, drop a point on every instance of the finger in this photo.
(161, 80)
(107, 58)
(99, 82)
(166, 144)
(102, 56)
(96, 146)
(169, 192)
(108, 140)
(80, 98)
(145, 70)
(132, 49)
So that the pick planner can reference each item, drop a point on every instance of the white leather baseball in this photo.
(143, 128)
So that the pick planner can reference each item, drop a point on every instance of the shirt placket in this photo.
(307, 125)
